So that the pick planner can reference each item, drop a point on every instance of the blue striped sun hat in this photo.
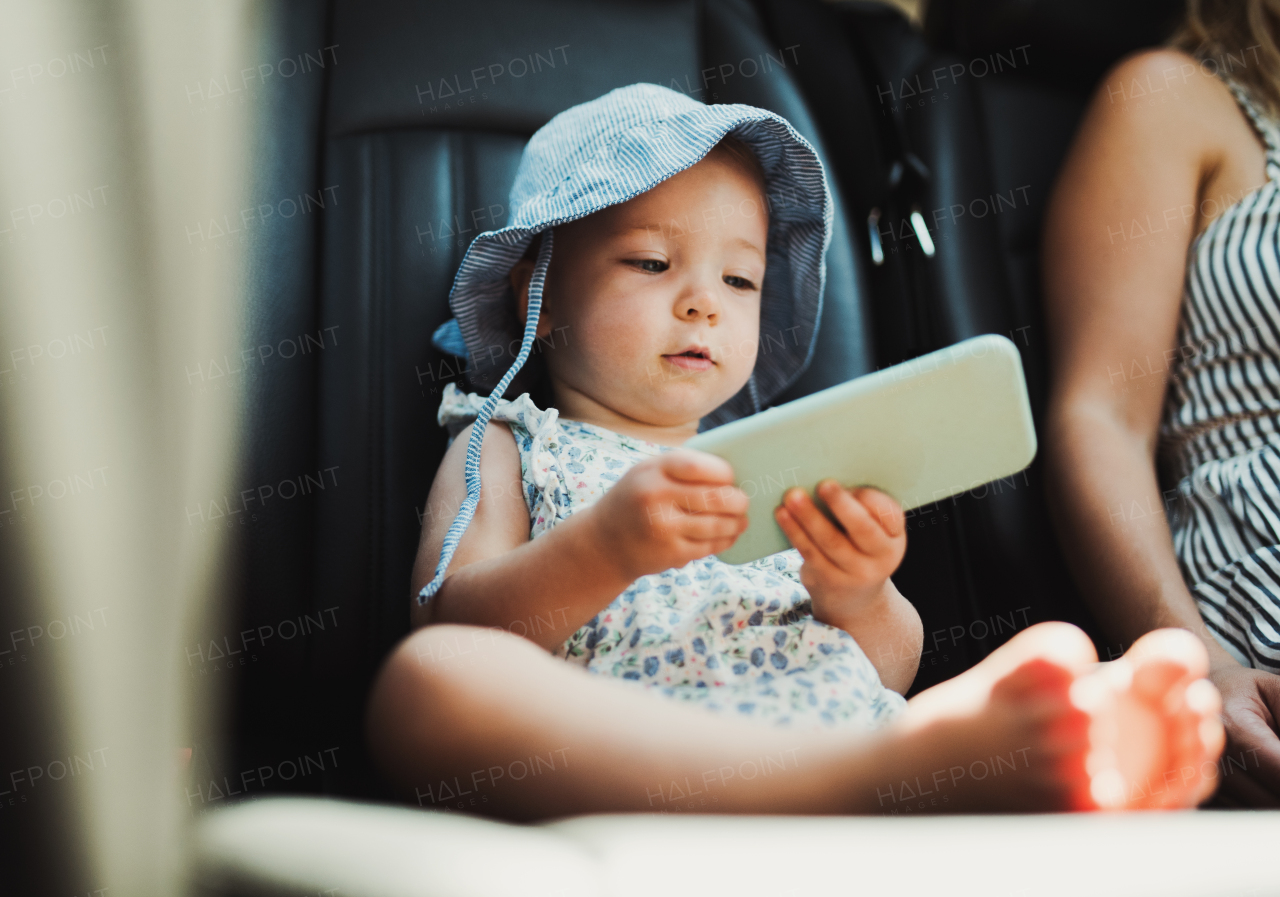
(607, 151)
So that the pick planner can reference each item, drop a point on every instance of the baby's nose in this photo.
(699, 303)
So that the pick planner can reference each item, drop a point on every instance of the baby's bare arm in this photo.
(890, 633)
(664, 512)
(544, 589)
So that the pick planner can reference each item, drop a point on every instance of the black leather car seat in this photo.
(411, 134)
(402, 127)
(1019, 74)
(976, 114)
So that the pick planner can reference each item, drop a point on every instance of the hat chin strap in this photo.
(468, 509)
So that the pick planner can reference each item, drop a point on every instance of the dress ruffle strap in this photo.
(536, 429)
(544, 466)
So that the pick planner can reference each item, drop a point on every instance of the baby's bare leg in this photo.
(459, 708)
(489, 722)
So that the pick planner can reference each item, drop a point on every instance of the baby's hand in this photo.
(669, 510)
(844, 571)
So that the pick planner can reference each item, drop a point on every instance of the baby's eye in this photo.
(738, 283)
(651, 266)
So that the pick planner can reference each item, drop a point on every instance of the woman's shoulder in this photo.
(1158, 116)
(1165, 85)
(1154, 60)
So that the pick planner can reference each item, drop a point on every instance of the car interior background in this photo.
(412, 168)
(291, 285)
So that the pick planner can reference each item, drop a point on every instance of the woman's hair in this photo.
(1241, 36)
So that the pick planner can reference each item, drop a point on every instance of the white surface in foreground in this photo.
(307, 846)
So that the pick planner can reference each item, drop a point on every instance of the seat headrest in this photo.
(1064, 44)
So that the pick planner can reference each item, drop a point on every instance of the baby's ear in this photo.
(521, 274)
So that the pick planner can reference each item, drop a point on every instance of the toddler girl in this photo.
(648, 221)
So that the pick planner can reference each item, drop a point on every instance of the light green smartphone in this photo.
(921, 431)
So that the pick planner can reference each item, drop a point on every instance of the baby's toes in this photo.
(1188, 772)
(1202, 738)
(1195, 740)
(1129, 740)
(1166, 659)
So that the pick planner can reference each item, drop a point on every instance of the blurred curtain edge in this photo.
(126, 552)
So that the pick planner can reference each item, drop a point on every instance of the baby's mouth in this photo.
(694, 359)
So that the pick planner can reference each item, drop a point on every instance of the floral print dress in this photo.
(732, 638)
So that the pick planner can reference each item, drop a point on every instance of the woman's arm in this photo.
(1113, 299)
(544, 589)
(1125, 210)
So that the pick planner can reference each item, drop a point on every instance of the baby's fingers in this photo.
(707, 499)
(883, 509)
(692, 466)
(712, 527)
(820, 535)
(800, 540)
(868, 536)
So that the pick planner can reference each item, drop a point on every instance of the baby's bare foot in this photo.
(1157, 733)
(1040, 725)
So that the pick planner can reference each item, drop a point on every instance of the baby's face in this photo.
(659, 299)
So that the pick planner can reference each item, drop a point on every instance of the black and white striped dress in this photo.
(1221, 427)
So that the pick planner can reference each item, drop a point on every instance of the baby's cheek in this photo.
(614, 339)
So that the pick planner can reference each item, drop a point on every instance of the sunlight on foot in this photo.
(1142, 732)
(1156, 734)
